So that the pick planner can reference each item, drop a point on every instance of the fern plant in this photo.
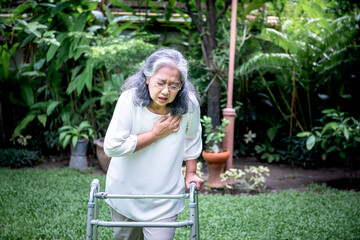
(314, 44)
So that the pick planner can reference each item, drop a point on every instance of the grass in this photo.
(52, 204)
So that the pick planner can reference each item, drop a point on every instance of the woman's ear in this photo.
(147, 81)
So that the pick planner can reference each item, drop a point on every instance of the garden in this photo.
(294, 94)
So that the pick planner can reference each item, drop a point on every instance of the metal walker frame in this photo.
(93, 212)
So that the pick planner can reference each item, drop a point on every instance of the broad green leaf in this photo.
(74, 140)
(27, 94)
(304, 134)
(67, 20)
(89, 74)
(310, 142)
(22, 125)
(80, 22)
(62, 136)
(330, 125)
(88, 102)
(120, 3)
(47, 5)
(83, 125)
(33, 74)
(346, 133)
(121, 28)
(109, 15)
(42, 119)
(39, 105)
(39, 64)
(5, 55)
(66, 141)
(332, 149)
(59, 7)
(53, 48)
(98, 15)
(342, 154)
(51, 107)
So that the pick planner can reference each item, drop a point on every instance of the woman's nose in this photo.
(165, 90)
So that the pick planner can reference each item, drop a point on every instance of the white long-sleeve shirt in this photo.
(155, 169)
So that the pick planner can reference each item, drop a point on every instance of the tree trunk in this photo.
(207, 30)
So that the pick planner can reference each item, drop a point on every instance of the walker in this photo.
(93, 210)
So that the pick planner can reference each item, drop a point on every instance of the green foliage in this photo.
(254, 178)
(213, 137)
(69, 133)
(15, 158)
(40, 111)
(297, 154)
(56, 208)
(5, 56)
(269, 153)
(71, 67)
(305, 61)
(339, 133)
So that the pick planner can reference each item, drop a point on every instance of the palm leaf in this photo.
(266, 60)
(279, 39)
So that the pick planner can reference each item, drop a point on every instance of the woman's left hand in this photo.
(192, 177)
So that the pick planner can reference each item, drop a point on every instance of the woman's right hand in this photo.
(166, 125)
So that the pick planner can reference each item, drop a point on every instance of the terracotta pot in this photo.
(216, 164)
(104, 159)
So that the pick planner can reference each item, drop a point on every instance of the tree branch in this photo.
(195, 21)
(222, 12)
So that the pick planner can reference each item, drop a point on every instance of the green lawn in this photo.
(52, 204)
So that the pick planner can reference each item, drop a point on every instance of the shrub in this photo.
(16, 158)
(252, 177)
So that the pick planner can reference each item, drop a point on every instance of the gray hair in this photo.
(160, 58)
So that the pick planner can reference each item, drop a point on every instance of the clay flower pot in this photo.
(216, 163)
(101, 156)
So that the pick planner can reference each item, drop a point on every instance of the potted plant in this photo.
(78, 138)
(104, 159)
(214, 155)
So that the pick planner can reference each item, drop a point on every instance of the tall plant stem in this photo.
(309, 108)
(293, 99)
(272, 95)
(292, 110)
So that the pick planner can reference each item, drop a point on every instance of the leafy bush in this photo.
(252, 177)
(16, 158)
(339, 133)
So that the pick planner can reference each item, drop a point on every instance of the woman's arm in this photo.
(191, 174)
(162, 128)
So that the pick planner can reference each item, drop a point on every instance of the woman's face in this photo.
(164, 86)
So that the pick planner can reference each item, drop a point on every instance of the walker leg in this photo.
(197, 217)
(192, 207)
(91, 205)
(97, 206)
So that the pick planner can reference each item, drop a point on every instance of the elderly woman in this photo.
(155, 127)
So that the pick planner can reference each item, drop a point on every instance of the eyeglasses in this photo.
(172, 88)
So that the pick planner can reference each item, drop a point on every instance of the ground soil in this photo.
(282, 176)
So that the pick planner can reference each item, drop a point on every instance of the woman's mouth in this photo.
(163, 99)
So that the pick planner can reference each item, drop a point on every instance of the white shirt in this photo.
(155, 169)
